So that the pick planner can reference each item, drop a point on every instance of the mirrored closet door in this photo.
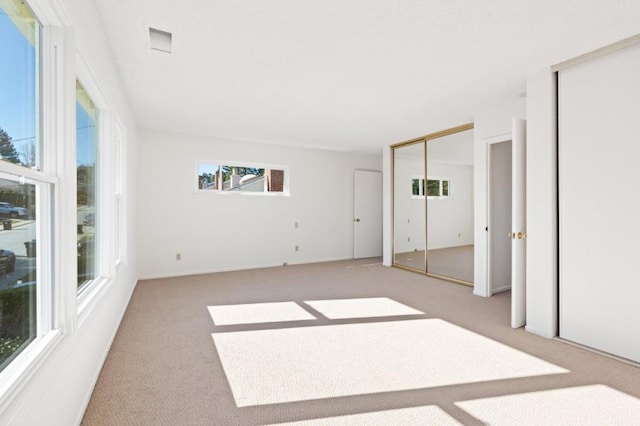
(433, 204)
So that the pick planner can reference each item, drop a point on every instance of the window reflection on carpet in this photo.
(296, 364)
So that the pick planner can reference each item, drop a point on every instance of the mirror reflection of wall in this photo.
(450, 206)
(409, 206)
(433, 205)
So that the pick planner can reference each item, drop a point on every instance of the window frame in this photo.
(49, 84)
(90, 293)
(423, 185)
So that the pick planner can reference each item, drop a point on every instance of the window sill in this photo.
(18, 373)
(242, 194)
(89, 297)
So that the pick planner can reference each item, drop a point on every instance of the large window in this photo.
(86, 151)
(20, 277)
(251, 179)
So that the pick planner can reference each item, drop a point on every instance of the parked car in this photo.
(8, 209)
(7, 260)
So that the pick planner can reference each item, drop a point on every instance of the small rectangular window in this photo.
(241, 179)
(445, 188)
(87, 190)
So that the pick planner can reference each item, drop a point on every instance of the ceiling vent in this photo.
(159, 40)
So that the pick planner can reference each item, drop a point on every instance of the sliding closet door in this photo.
(599, 202)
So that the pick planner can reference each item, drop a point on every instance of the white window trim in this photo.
(20, 370)
(49, 302)
(220, 193)
(90, 294)
(119, 170)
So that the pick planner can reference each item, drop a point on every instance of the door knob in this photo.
(510, 235)
(522, 235)
(356, 220)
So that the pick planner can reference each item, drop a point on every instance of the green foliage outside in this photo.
(86, 185)
(433, 188)
(17, 320)
(7, 150)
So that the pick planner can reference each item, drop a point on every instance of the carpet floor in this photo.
(344, 343)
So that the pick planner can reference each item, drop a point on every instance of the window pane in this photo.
(208, 176)
(19, 36)
(433, 188)
(445, 188)
(243, 179)
(415, 187)
(86, 146)
(275, 180)
(17, 268)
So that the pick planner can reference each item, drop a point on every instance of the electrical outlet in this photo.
(178, 256)
(408, 239)
(459, 234)
(297, 248)
(295, 225)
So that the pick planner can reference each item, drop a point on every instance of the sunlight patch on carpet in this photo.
(361, 308)
(583, 405)
(428, 415)
(297, 364)
(255, 313)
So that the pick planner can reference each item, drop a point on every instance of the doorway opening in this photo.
(499, 216)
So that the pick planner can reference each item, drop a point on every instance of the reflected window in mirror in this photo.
(417, 187)
(438, 188)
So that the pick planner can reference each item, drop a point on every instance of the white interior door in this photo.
(518, 224)
(367, 214)
(599, 206)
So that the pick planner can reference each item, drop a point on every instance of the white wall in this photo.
(387, 207)
(409, 211)
(60, 388)
(450, 220)
(448, 217)
(542, 211)
(491, 122)
(219, 232)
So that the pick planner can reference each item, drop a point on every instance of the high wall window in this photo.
(245, 179)
(22, 229)
(87, 191)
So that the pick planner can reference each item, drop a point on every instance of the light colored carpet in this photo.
(164, 367)
(453, 262)
(306, 363)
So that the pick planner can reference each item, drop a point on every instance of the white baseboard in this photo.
(501, 289)
(235, 268)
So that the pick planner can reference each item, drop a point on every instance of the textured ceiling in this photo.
(352, 75)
